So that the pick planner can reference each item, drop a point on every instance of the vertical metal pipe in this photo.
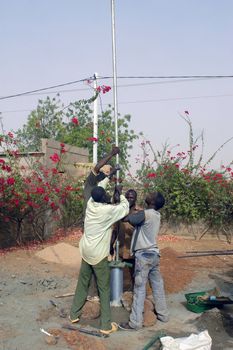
(114, 66)
(95, 122)
(117, 249)
(116, 284)
(116, 272)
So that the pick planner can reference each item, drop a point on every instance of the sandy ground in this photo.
(30, 279)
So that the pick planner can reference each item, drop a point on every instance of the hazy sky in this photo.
(45, 43)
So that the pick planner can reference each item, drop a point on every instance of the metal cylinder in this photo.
(117, 249)
(116, 285)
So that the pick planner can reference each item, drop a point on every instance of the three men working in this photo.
(100, 215)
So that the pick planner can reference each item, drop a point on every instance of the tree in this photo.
(74, 125)
(43, 122)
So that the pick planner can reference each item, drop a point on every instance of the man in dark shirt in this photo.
(123, 231)
(98, 173)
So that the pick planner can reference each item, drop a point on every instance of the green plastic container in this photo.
(196, 305)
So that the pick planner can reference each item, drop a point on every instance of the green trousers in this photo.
(102, 274)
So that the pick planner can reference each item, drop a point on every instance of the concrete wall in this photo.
(74, 162)
(70, 160)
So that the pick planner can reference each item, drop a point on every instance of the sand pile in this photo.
(61, 253)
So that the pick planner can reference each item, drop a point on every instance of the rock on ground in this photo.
(91, 310)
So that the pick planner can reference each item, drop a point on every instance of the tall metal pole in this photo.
(115, 79)
(116, 271)
(95, 122)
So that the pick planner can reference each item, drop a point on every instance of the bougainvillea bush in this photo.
(194, 192)
(34, 199)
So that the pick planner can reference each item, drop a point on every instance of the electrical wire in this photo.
(137, 101)
(175, 99)
(169, 77)
(45, 88)
(121, 86)
(31, 92)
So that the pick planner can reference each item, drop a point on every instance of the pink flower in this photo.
(75, 121)
(2, 161)
(8, 168)
(103, 88)
(55, 158)
(54, 171)
(93, 139)
(151, 175)
(68, 188)
(10, 181)
(62, 145)
(16, 202)
(46, 198)
(10, 135)
(40, 190)
(186, 112)
(106, 88)
(53, 206)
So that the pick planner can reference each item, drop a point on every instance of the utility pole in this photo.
(95, 122)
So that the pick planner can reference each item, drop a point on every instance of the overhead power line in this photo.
(169, 77)
(140, 101)
(33, 92)
(43, 89)
(120, 86)
(175, 99)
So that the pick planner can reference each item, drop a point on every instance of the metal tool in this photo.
(208, 251)
(196, 255)
(85, 330)
(61, 311)
(45, 332)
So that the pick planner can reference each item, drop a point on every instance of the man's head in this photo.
(155, 200)
(131, 196)
(99, 195)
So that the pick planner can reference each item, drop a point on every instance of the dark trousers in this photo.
(102, 274)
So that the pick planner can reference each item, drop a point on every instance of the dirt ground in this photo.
(28, 283)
